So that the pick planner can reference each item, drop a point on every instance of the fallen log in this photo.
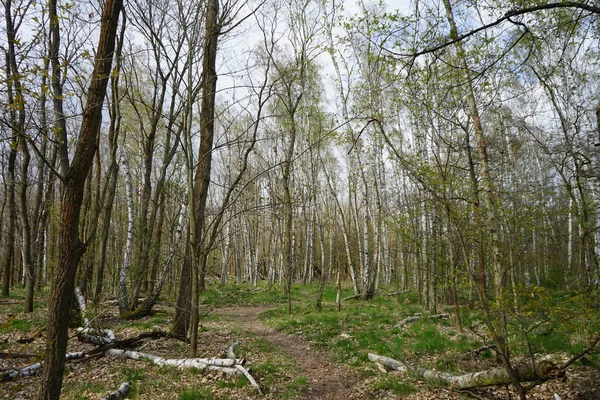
(226, 365)
(30, 370)
(120, 393)
(419, 317)
(33, 369)
(540, 370)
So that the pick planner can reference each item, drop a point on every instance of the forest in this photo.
(390, 199)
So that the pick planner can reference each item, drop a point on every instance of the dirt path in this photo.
(326, 379)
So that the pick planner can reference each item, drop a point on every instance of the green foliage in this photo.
(428, 339)
(367, 326)
(81, 389)
(553, 321)
(196, 394)
(232, 294)
(298, 385)
(16, 324)
(133, 374)
(393, 384)
(239, 382)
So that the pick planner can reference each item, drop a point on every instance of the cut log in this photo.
(120, 393)
(543, 369)
(74, 356)
(419, 317)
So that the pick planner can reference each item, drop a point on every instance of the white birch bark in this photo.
(123, 295)
(120, 393)
(540, 370)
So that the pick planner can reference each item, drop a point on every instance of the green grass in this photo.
(80, 390)
(394, 385)
(233, 294)
(296, 387)
(238, 383)
(16, 324)
(196, 394)
(365, 326)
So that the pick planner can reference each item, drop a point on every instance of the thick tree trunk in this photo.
(70, 246)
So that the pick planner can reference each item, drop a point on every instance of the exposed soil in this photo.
(326, 379)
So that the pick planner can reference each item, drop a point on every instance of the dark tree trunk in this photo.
(70, 246)
(202, 177)
(16, 100)
(11, 211)
(184, 295)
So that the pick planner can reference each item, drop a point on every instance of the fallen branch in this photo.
(132, 341)
(121, 392)
(542, 369)
(474, 353)
(585, 351)
(18, 355)
(95, 336)
(356, 296)
(419, 317)
(87, 334)
(249, 377)
(397, 293)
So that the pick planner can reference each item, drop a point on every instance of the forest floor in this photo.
(283, 357)
(325, 379)
(329, 380)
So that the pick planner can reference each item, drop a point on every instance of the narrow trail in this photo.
(326, 380)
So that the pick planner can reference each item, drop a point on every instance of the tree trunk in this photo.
(123, 271)
(496, 324)
(183, 306)
(70, 246)
(9, 249)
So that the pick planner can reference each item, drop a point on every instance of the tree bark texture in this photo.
(70, 246)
